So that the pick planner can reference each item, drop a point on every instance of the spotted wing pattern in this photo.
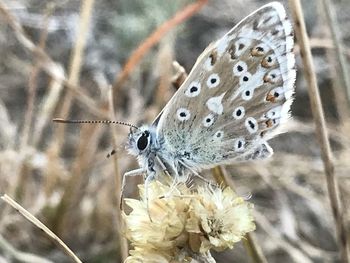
(238, 92)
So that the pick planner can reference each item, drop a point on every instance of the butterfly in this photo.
(236, 96)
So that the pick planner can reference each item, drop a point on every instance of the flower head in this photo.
(183, 221)
(218, 219)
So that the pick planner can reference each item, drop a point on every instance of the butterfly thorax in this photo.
(152, 153)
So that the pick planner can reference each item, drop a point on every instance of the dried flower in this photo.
(181, 221)
(143, 255)
(218, 219)
(161, 225)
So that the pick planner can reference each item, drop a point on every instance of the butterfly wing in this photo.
(238, 92)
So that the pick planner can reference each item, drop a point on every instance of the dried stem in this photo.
(42, 227)
(337, 41)
(154, 38)
(77, 182)
(75, 65)
(13, 253)
(117, 183)
(48, 65)
(32, 85)
(321, 130)
(250, 243)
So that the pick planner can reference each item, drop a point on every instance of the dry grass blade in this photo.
(343, 67)
(20, 256)
(117, 183)
(41, 226)
(75, 64)
(47, 64)
(321, 130)
(154, 38)
(32, 85)
(250, 243)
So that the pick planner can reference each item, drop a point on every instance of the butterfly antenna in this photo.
(95, 122)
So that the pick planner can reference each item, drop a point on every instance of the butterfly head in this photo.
(140, 140)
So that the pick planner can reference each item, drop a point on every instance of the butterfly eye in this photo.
(213, 81)
(142, 141)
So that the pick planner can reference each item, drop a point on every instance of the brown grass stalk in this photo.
(25, 170)
(32, 83)
(123, 244)
(341, 66)
(154, 38)
(19, 256)
(48, 65)
(321, 130)
(251, 245)
(75, 66)
(42, 227)
(68, 208)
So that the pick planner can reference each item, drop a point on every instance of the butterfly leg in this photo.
(149, 178)
(135, 172)
(197, 174)
(165, 170)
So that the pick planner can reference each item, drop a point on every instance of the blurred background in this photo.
(50, 67)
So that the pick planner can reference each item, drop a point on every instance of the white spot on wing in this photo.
(239, 145)
(247, 94)
(213, 81)
(183, 114)
(251, 124)
(241, 45)
(218, 135)
(222, 44)
(239, 68)
(193, 89)
(207, 64)
(238, 113)
(274, 113)
(208, 120)
(214, 104)
(244, 78)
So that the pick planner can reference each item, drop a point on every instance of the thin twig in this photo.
(154, 38)
(117, 182)
(42, 227)
(9, 251)
(32, 83)
(321, 130)
(75, 65)
(48, 65)
(249, 242)
(337, 41)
